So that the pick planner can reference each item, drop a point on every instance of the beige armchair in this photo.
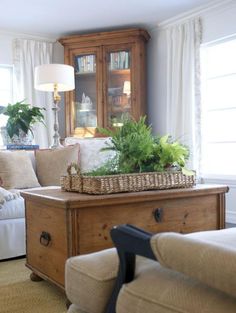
(192, 273)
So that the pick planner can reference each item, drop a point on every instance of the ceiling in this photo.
(62, 17)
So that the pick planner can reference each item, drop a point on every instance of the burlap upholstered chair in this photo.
(194, 273)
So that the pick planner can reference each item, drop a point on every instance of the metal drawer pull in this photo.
(45, 238)
(158, 214)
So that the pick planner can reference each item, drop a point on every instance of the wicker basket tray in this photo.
(124, 182)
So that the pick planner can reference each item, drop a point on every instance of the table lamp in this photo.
(127, 87)
(55, 78)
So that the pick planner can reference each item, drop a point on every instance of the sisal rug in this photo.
(18, 294)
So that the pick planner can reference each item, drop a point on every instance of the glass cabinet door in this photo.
(85, 102)
(118, 86)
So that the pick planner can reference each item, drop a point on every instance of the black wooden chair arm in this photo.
(129, 242)
(131, 239)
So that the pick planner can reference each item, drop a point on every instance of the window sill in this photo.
(218, 178)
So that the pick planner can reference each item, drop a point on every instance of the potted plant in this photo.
(138, 151)
(21, 119)
(141, 162)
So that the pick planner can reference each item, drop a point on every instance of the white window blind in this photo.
(219, 109)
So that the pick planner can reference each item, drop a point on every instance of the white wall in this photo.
(156, 79)
(217, 23)
(6, 48)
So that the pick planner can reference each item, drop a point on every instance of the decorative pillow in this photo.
(91, 156)
(51, 164)
(16, 170)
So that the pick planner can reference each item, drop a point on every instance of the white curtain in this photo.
(183, 86)
(27, 54)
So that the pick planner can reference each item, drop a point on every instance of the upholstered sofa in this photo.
(20, 170)
(193, 273)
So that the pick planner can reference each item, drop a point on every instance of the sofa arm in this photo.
(213, 263)
(208, 256)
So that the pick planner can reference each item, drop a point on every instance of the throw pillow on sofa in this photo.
(91, 154)
(51, 164)
(16, 170)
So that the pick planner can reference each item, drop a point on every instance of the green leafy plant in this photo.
(21, 116)
(137, 150)
(133, 143)
(109, 168)
(171, 154)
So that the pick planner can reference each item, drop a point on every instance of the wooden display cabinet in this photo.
(110, 79)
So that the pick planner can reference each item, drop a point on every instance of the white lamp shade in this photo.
(47, 75)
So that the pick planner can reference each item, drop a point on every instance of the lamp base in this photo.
(56, 146)
(56, 137)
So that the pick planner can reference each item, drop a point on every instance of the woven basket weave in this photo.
(124, 182)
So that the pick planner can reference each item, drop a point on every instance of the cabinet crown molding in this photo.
(107, 35)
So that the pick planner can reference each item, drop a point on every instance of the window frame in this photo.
(11, 98)
(11, 68)
(204, 174)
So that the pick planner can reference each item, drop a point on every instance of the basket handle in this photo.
(74, 166)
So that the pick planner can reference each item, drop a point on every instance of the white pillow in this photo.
(91, 156)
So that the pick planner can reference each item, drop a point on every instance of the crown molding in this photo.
(39, 37)
(200, 10)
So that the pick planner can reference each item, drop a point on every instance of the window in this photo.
(6, 90)
(219, 109)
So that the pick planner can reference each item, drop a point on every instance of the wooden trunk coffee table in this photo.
(61, 224)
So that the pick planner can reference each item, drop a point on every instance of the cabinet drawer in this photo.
(47, 255)
(182, 215)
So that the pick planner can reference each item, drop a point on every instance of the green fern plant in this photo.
(133, 143)
(109, 168)
(137, 150)
(171, 154)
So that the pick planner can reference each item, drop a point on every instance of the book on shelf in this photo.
(86, 64)
(119, 60)
(22, 147)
